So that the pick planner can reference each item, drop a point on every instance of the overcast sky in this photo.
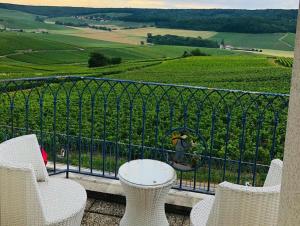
(239, 4)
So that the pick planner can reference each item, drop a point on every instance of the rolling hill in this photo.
(21, 20)
(134, 35)
(62, 52)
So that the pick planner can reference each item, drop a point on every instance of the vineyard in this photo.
(105, 122)
(285, 61)
(242, 72)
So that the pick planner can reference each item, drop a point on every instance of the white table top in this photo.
(146, 172)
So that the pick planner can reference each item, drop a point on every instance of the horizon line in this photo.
(111, 7)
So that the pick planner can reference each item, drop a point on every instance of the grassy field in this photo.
(289, 39)
(53, 57)
(280, 53)
(277, 41)
(134, 36)
(12, 42)
(142, 32)
(260, 41)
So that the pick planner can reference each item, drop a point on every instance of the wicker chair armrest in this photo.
(20, 199)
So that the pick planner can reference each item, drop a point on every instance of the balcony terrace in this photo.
(223, 145)
(91, 126)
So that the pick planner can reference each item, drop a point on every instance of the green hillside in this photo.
(78, 41)
(48, 54)
(21, 20)
(257, 73)
(66, 49)
(53, 57)
(260, 41)
(290, 39)
(228, 20)
(12, 42)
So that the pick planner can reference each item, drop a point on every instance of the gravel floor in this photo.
(102, 213)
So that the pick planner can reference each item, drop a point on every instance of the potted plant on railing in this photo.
(186, 155)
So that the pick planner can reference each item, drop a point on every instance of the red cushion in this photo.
(44, 155)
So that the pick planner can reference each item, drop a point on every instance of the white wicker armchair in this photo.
(28, 197)
(238, 205)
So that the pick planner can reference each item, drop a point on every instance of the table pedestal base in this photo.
(145, 206)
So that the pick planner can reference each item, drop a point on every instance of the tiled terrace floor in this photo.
(102, 213)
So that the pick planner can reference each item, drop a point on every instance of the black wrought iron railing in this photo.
(93, 125)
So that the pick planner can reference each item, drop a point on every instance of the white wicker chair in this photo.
(28, 197)
(238, 205)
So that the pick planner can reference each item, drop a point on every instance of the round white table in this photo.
(146, 184)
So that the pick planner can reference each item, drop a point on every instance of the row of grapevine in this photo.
(285, 61)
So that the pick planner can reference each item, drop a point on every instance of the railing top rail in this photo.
(74, 78)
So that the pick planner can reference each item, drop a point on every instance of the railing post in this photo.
(12, 106)
(68, 134)
(54, 133)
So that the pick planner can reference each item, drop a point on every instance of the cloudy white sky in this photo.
(240, 4)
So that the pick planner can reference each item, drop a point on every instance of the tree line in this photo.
(71, 24)
(220, 20)
(181, 41)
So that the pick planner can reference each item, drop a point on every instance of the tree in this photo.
(149, 37)
(223, 42)
(116, 60)
(98, 60)
(197, 52)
